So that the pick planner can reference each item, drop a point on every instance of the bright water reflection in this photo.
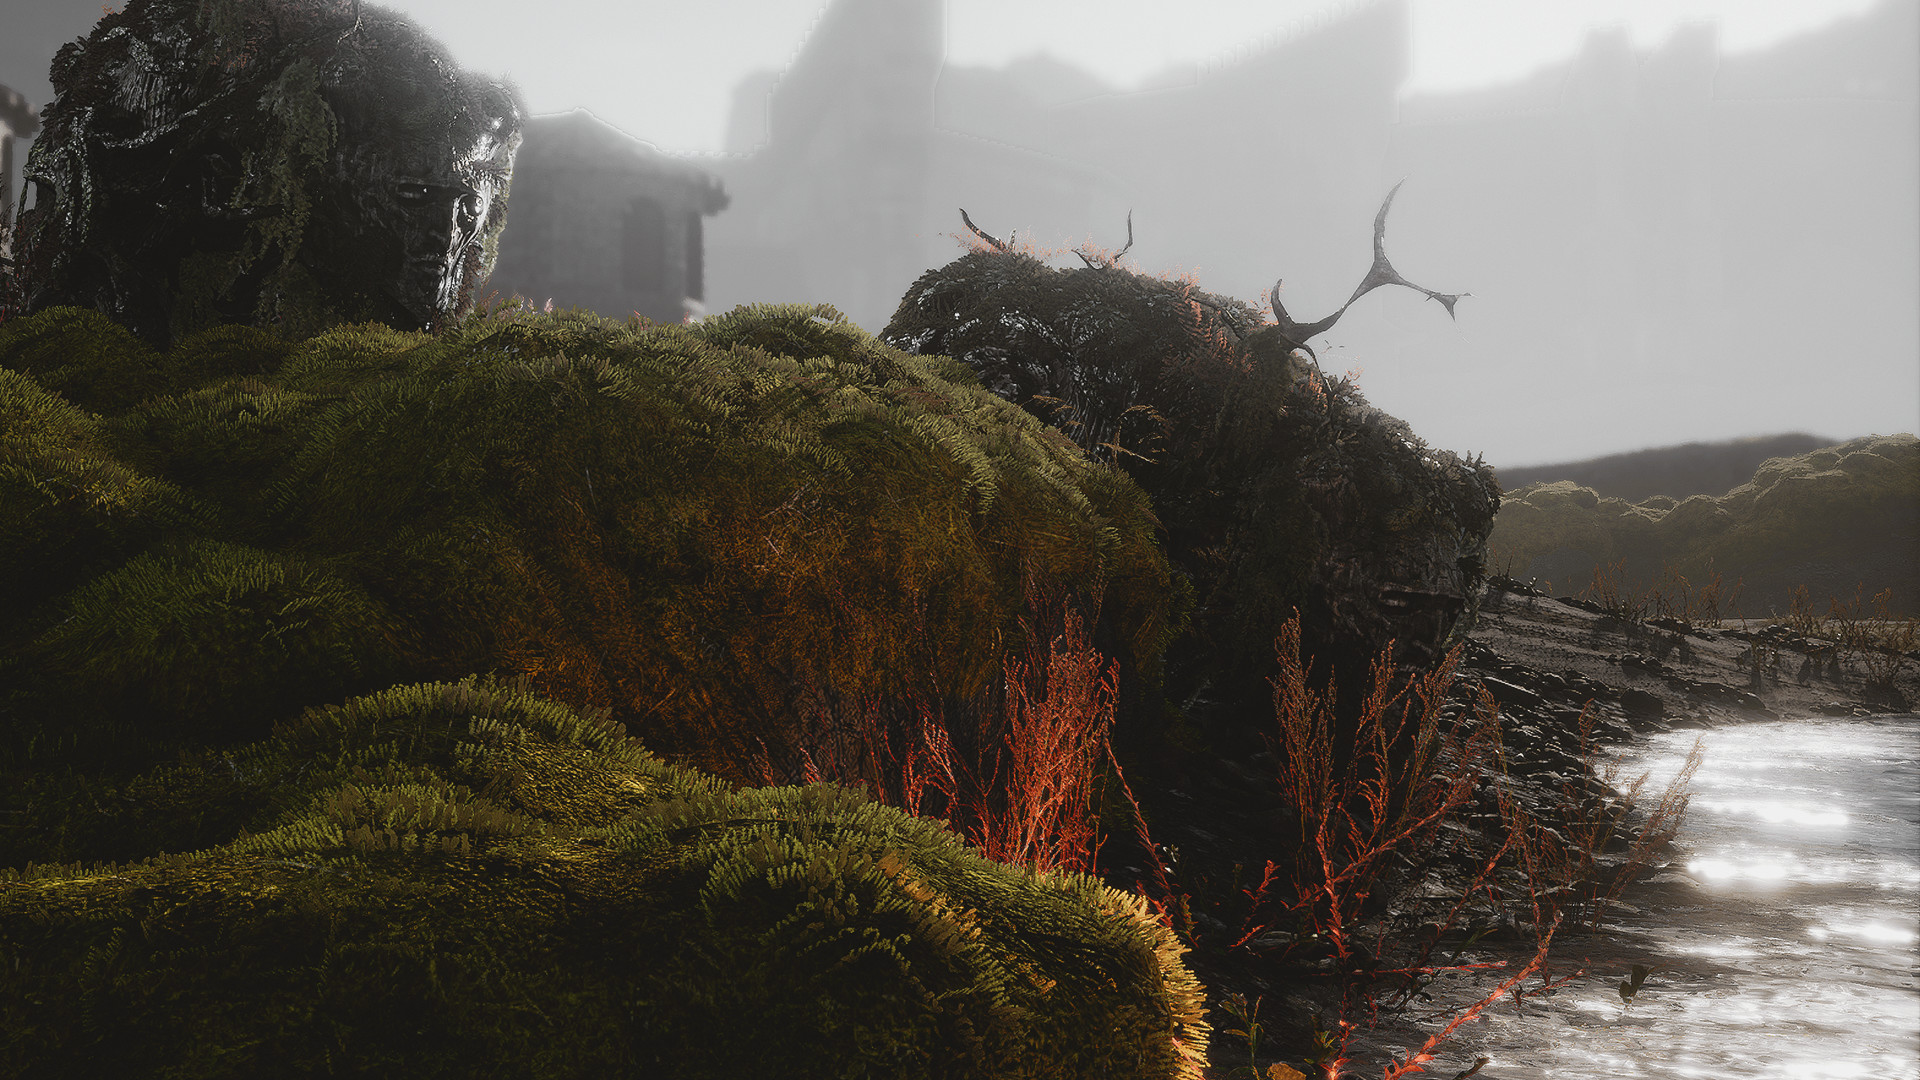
(1785, 931)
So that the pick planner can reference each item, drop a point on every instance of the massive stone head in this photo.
(283, 163)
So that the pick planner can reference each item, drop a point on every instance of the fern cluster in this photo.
(693, 534)
(452, 879)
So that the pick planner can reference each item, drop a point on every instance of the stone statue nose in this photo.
(444, 223)
(446, 215)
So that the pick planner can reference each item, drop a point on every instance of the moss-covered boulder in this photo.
(465, 879)
(1833, 520)
(1279, 490)
(707, 530)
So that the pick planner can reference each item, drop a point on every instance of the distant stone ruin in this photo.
(18, 120)
(603, 221)
(288, 164)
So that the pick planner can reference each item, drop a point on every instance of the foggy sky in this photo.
(675, 96)
(666, 73)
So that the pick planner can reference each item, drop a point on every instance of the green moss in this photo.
(69, 507)
(464, 878)
(672, 522)
(686, 531)
(189, 641)
(85, 357)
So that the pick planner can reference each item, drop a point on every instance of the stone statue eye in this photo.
(470, 205)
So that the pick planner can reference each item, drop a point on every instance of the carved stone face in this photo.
(264, 161)
(419, 175)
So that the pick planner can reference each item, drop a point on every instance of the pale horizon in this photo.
(679, 100)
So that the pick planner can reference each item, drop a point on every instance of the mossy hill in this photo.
(1696, 468)
(692, 527)
(1833, 519)
(248, 584)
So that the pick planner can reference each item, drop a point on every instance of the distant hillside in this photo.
(1698, 468)
(1832, 519)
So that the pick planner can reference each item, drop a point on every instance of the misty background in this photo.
(1679, 221)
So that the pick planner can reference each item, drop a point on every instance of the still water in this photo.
(1786, 931)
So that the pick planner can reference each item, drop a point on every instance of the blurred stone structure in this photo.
(1637, 213)
(18, 120)
(602, 220)
(848, 168)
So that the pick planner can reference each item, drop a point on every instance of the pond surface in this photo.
(1788, 923)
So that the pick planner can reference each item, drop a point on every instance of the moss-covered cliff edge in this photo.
(694, 528)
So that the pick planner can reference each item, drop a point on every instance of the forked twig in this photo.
(1109, 264)
(997, 245)
(352, 26)
(1295, 334)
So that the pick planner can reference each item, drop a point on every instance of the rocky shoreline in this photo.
(1543, 660)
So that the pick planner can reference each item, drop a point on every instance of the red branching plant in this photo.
(1368, 795)
(1801, 618)
(1059, 717)
(1376, 794)
(1885, 646)
(1561, 867)
(1171, 906)
(1416, 1061)
(1616, 594)
(1025, 794)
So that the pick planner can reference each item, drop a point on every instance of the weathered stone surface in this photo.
(272, 162)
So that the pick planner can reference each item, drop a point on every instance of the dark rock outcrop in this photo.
(1278, 489)
(288, 164)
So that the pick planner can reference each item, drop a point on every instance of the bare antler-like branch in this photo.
(1295, 334)
(997, 245)
(1382, 271)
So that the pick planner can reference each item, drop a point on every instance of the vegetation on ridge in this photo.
(450, 879)
(1828, 519)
